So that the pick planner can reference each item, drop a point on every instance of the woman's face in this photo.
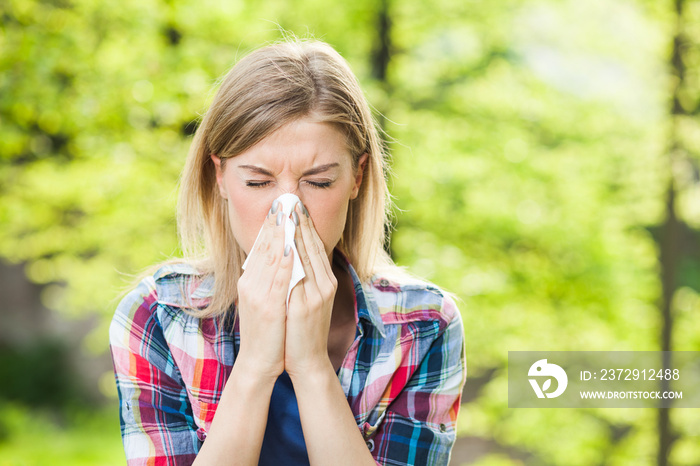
(305, 158)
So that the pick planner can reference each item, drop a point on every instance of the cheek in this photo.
(328, 212)
(247, 212)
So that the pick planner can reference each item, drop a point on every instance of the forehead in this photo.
(297, 145)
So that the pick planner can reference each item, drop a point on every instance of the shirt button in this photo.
(443, 428)
(384, 282)
(370, 444)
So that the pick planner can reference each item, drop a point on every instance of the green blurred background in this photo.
(545, 158)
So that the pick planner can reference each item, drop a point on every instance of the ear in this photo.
(361, 165)
(219, 175)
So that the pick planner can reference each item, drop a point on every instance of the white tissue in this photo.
(287, 201)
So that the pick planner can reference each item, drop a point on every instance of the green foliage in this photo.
(35, 438)
(529, 157)
(38, 375)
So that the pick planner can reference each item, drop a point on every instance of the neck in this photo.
(343, 304)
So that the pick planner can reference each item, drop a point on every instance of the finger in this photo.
(314, 245)
(260, 244)
(321, 247)
(310, 275)
(282, 276)
(268, 251)
(297, 299)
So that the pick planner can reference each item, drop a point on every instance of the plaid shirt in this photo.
(403, 375)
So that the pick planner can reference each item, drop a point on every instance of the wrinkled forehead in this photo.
(299, 146)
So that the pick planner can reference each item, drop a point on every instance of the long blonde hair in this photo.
(264, 91)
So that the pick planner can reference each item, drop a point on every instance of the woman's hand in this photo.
(262, 294)
(310, 304)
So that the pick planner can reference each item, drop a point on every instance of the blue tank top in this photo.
(284, 441)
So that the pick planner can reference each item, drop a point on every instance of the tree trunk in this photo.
(670, 239)
(381, 55)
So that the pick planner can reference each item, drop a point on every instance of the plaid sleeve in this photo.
(419, 424)
(157, 426)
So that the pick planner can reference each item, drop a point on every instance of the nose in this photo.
(290, 187)
(291, 190)
(287, 188)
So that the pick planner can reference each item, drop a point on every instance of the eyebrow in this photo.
(312, 171)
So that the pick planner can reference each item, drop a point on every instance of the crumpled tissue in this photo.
(287, 201)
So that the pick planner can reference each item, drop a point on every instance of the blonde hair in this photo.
(264, 91)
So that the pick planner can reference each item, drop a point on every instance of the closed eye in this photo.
(257, 184)
(262, 184)
(320, 184)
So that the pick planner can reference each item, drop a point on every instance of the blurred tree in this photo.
(677, 239)
(529, 145)
(537, 165)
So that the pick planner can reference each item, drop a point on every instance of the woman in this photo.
(358, 364)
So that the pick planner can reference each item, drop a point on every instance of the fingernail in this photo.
(286, 250)
(303, 209)
(280, 217)
(275, 205)
(295, 218)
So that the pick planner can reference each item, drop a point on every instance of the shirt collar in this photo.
(367, 309)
